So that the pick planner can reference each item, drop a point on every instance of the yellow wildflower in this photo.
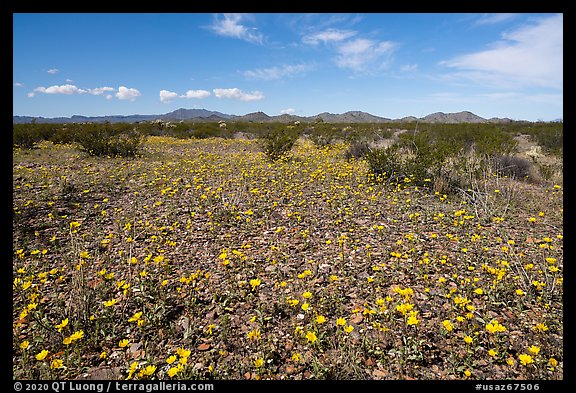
(311, 336)
(42, 355)
(525, 359)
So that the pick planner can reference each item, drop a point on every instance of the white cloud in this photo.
(167, 96)
(277, 72)
(18, 84)
(491, 19)
(56, 89)
(109, 96)
(53, 71)
(196, 94)
(230, 26)
(125, 93)
(237, 94)
(69, 89)
(100, 90)
(69, 80)
(329, 35)
(364, 55)
(531, 55)
(288, 111)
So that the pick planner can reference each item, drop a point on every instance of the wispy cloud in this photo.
(288, 111)
(237, 94)
(18, 84)
(364, 55)
(409, 68)
(231, 25)
(53, 71)
(492, 19)
(531, 55)
(277, 72)
(328, 35)
(100, 90)
(361, 55)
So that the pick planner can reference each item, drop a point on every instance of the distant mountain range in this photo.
(257, 117)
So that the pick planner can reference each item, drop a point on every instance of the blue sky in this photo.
(390, 65)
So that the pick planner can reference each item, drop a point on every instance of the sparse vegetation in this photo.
(211, 258)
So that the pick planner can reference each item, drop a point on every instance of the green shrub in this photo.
(386, 164)
(26, 136)
(103, 140)
(278, 142)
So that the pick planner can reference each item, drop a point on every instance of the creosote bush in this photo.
(278, 142)
(27, 136)
(107, 141)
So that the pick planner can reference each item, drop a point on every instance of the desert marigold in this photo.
(552, 362)
(149, 370)
(495, 327)
(62, 324)
(255, 283)
(534, 349)
(42, 355)
(56, 363)
(540, 327)
(77, 335)
(311, 336)
(404, 308)
(447, 325)
(172, 371)
(525, 359)
(254, 334)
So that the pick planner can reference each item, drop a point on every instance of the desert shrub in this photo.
(278, 142)
(105, 140)
(357, 150)
(549, 136)
(429, 154)
(386, 164)
(64, 134)
(26, 136)
(321, 139)
(512, 166)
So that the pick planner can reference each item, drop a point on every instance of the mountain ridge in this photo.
(183, 114)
